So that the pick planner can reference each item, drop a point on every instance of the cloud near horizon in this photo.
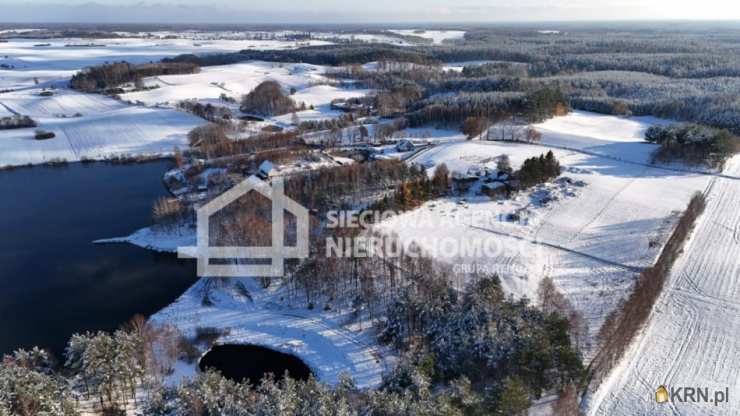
(379, 11)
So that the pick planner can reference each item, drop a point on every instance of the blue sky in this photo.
(343, 11)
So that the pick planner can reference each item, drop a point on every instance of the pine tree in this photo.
(514, 398)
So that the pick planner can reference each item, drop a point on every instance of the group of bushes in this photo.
(168, 211)
(43, 135)
(348, 185)
(267, 99)
(537, 170)
(16, 122)
(22, 122)
(415, 191)
(693, 143)
(210, 112)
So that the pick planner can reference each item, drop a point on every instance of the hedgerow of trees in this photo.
(110, 76)
(16, 122)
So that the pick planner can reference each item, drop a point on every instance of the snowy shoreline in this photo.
(151, 239)
(120, 159)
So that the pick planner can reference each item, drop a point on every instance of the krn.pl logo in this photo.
(661, 395)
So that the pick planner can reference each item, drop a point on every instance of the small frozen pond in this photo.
(252, 362)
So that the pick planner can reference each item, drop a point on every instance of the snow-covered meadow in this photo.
(75, 53)
(616, 137)
(89, 126)
(309, 82)
(691, 337)
(436, 36)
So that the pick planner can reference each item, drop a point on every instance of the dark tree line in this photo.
(318, 55)
(211, 141)
(111, 76)
(533, 106)
(674, 52)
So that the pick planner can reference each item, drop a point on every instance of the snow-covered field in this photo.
(691, 337)
(437, 36)
(365, 37)
(617, 137)
(312, 87)
(22, 53)
(89, 126)
(232, 80)
(593, 244)
(58, 62)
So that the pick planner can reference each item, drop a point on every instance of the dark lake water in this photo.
(53, 280)
(252, 362)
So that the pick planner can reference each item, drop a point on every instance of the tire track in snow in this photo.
(347, 335)
(686, 339)
(607, 205)
(10, 110)
(72, 146)
(165, 82)
(565, 249)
